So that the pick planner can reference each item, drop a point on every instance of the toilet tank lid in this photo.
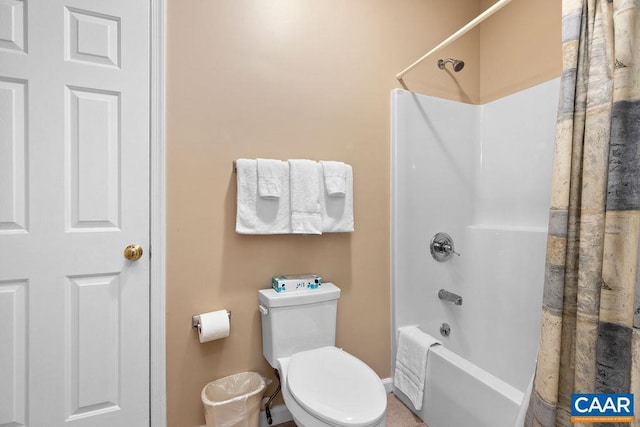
(326, 292)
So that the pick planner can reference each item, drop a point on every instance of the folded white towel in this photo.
(337, 212)
(335, 178)
(304, 186)
(255, 215)
(270, 177)
(411, 362)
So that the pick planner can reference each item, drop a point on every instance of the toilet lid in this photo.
(336, 387)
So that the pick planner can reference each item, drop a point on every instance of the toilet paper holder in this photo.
(195, 319)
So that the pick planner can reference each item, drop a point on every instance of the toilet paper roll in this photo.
(213, 325)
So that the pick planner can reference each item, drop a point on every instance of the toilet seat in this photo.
(336, 387)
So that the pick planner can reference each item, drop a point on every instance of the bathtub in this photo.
(459, 393)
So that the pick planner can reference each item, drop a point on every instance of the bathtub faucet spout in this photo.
(450, 296)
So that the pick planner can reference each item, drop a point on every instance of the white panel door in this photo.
(74, 192)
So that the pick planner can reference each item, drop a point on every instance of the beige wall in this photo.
(292, 79)
(520, 46)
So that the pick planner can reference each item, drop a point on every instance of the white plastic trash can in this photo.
(233, 401)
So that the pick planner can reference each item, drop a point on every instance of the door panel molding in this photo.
(13, 352)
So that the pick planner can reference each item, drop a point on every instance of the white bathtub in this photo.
(457, 393)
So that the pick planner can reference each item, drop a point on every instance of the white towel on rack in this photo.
(335, 178)
(337, 212)
(304, 184)
(411, 362)
(254, 214)
(270, 178)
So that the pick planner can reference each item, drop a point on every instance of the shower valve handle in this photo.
(447, 248)
(442, 247)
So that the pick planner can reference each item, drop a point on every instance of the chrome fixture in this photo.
(445, 330)
(450, 296)
(442, 247)
(455, 63)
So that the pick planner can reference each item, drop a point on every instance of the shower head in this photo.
(455, 63)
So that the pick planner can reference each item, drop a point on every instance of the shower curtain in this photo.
(590, 341)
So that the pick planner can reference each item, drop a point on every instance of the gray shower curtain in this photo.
(590, 341)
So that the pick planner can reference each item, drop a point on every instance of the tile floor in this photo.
(398, 415)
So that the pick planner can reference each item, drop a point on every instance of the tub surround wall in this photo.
(481, 174)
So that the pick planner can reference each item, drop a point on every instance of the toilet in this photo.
(321, 385)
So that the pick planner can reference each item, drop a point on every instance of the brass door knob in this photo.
(133, 252)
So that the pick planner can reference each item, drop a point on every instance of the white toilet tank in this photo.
(297, 321)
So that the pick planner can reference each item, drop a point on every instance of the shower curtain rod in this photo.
(484, 15)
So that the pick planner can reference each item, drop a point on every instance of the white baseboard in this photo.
(279, 415)
(388, 385)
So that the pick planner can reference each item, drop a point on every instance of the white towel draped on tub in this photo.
(255, 214)
(304, 184)
(411, 362)
(337, 212)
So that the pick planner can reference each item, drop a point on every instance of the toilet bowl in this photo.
(330, 387)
